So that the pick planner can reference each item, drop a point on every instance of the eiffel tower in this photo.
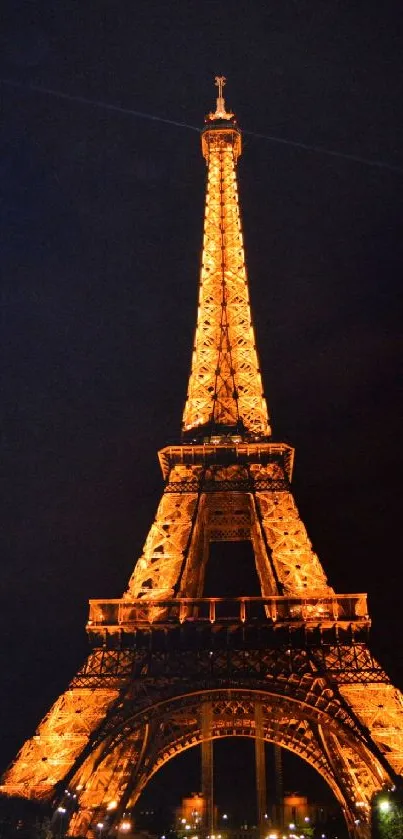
(170, 668)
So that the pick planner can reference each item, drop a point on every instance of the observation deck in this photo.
(121, 619)
(221, 452)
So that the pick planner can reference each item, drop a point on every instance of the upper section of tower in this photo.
(225, 395)
(222, 123)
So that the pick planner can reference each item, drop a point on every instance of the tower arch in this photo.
(173, 724)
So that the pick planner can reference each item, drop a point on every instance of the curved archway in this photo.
(235, 790)
(145, 740)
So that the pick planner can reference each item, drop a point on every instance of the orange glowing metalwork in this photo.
(225, 387)
(291, 667)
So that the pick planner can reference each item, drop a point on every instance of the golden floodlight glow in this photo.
(291, 667)
(225, 386)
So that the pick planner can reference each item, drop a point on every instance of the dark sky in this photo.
(102, 222)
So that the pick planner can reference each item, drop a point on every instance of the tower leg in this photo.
(260, 771)
(207, 769)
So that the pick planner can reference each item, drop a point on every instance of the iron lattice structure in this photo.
(225, 387)
(169, 668)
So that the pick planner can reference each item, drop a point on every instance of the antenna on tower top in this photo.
(220, 82)
(220, 112)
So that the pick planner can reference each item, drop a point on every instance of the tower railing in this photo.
(128, 615)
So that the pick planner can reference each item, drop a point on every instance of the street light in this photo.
(62, 812)
(100, 827)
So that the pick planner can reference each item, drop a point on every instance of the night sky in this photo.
(102, 227)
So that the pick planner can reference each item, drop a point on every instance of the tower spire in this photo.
(225, 394)
(220, 112)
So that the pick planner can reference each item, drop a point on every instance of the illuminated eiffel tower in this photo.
(169, 668)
